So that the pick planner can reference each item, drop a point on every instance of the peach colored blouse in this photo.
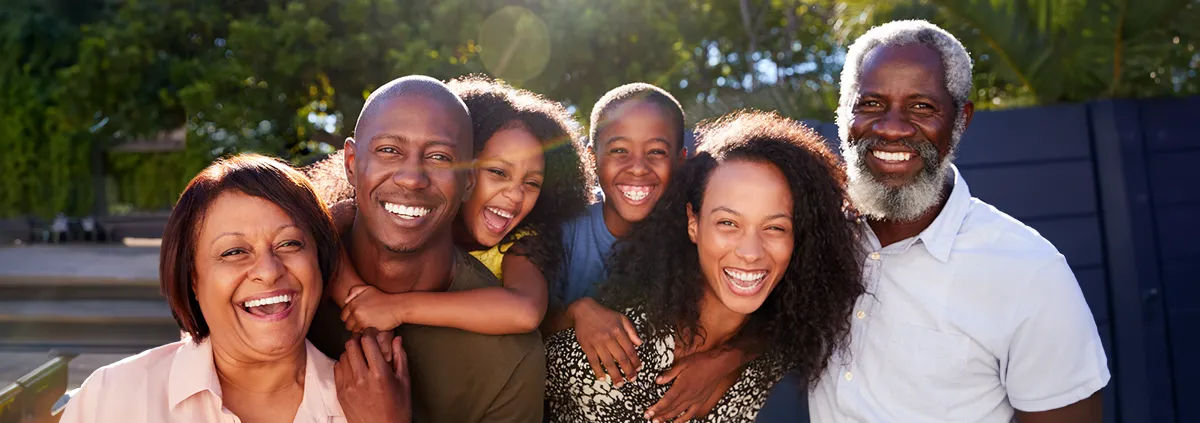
(178, 382)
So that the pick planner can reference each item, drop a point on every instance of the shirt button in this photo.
(875, 255)
(861, 314)
(849, 376)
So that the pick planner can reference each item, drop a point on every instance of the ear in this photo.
(968, 111)
(348, 157)
(471, 177)
(682, 157)
(693, 221)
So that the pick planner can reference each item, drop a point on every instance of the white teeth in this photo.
(266, 301)
(500, 213)
(748, 277)
(635, 193)
(407, 212)
(891, 156)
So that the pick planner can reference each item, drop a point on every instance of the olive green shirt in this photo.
(458, 376)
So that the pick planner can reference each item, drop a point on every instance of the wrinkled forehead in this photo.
(916, 66)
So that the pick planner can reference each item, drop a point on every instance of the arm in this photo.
(346, 276)
(523, 397)
(517, 307)
(1055, 364)
(1089, 410)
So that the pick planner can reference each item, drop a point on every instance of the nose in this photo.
(894, 125)
(267, 269)
(750, 247)
(411, 175)
(515, 193)
(638, 166)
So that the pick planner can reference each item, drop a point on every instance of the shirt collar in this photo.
(938, 238)
(193, 372)
(940, 235)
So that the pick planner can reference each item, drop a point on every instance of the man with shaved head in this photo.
(408, 163)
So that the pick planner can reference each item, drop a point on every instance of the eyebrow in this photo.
(621, 138)
(402, 139)
(735, 213)
(277, 230)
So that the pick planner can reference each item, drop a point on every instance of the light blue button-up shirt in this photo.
(974, 317)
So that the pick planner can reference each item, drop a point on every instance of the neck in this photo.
(463, 237)
(718, 323)
(242, 375)
(890, 231)
(617, 225)
(427, 269)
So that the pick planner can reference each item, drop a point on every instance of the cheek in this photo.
(306, 269)
(780, 251)
(214, 286)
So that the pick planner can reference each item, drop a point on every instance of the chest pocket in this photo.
(929, 365)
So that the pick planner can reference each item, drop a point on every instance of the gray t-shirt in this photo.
(588, 244)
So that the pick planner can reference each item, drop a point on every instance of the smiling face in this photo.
(257, 278)
(902, 132)
(408, 169)
(636, 152)
(743, 233)
(510, 171)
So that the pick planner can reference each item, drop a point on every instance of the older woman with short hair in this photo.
(246, 254)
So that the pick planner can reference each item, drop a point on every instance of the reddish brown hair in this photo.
(249, 174)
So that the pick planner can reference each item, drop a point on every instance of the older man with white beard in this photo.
(973, 316)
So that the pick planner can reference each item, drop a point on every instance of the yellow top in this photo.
(493, 257)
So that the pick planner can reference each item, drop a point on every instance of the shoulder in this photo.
(119, 383)
(986, 226)
(470, 273)
(154, 361)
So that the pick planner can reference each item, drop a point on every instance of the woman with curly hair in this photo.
(749, 249)
(531, 178)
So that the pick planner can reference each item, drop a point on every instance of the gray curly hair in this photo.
(955, 60)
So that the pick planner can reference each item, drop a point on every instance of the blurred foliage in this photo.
(288, 77)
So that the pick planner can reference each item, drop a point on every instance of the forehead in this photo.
(513, 143)
(234, 211)
(418, 118)
(744, 185)
(903, 69)
(640, 117)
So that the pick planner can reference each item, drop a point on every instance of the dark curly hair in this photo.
(496, 106)
(806, 318)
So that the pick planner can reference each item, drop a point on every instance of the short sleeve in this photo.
(84, 406)
(522, 398)
(1055, 357)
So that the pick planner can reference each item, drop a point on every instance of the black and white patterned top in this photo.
(575, 395)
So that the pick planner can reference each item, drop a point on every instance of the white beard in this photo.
(878, 201)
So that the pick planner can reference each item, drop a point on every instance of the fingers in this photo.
(593, 358)
(672, 373)
(622, 350)
(710, 403)
(355, 291)
(384, 339)
(354, 355)
(370, 347)
(687, 414)
(630, 331)
(347, 313)
(671, 406)
(399, 359)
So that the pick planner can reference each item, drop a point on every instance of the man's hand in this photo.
(700, 381)
(368, 307)
(369, 389)
(608, 339)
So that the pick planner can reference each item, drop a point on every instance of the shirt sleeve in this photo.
(522, 398)
(1055, 357)
(84, 406)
